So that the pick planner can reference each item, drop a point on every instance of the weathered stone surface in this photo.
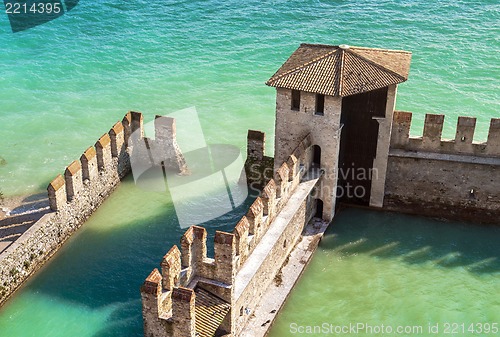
(241, 231)
(447, 178)
(57, 193)
(225, 255)
(443, 188)
(432, 141)
(165, 150)
(74, 179)
(493, 144)
(256, 143)
(433, 129)
(103, 150)
(117, 136)
(89, 164)
(171, 268)
(87, 189)
(259, 271)
(183, 312)
(293, 126)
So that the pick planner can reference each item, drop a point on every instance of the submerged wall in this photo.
(73, 197)
(456, 179)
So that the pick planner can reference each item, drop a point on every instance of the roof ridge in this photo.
(379, 66)
(319, 45)
(382, 49)
(341, 71)
(273, 78)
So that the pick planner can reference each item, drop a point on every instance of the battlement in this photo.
(184, 270)
(109, 158)
(432, 141)
(96, 161)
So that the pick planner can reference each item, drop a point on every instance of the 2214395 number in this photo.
(473, 328)
(35, 8)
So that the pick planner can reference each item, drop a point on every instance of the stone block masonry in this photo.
(432, 141)
(259, 168)
(244, 265)
(73, 197)
(456, 179)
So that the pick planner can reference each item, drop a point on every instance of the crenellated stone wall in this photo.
(272, 226)
(259, 168)
(74, 196)
(457, 178)
(432, 141)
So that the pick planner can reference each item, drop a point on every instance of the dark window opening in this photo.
(296, 100)
(320, 105)
(316, 162)
(319, 208)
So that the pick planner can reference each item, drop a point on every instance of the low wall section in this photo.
(76, 194)
(457, 178)
(168, 313)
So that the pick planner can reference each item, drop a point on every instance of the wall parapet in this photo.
(259, 168)
(432, 141)
(185, 269)
(169, 299)
(449, 175)
(73, 197)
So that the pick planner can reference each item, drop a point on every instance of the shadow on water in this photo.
(103, 266)
(38, 197)
(415, 240)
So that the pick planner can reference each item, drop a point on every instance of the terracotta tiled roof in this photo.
(341, 70)
(210, 312)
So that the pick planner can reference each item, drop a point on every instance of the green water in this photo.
(63, 84)
(399, 271)
(91, 288)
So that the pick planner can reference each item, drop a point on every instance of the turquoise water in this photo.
(398, 271)
(91, 287)
(63, 84)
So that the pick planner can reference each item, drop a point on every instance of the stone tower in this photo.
(344, 97)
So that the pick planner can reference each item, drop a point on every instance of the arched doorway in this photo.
(319, 209)
(316, 159)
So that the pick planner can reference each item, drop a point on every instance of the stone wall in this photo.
(259, 168)
(74, 196)
(457, 179)
(324, 130)
(249, 290)
(265, 227)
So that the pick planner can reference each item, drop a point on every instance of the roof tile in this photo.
(346, 71)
